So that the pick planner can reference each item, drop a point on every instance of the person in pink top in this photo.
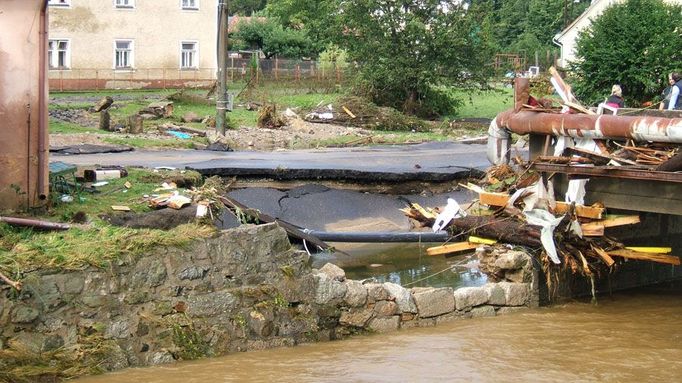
(615, 100)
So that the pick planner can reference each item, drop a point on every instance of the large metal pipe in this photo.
(380, 237)
(639, 128)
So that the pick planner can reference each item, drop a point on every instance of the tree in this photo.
(407, 51)
(634, 44)
(314, 17)
(246, 7)
(268, 36)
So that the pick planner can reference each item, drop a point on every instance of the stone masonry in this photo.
(246, 289)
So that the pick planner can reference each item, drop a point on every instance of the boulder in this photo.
(483, 311)
(468, 297)
(376, 292)
(329, 291)
(385, 324)
(512, 260)
(495, 294)
(516, 294)
(334, 272)
(402, 297)
(356, 294)
(432, 302)
(356, 317)
(386, 308)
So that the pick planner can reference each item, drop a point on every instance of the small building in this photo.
(567, 38)
(97, 44)
(23, 104)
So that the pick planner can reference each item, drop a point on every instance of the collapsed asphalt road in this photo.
(435, 161)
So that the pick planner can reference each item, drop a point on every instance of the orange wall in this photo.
(23, 104)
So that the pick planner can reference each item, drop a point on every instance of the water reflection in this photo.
(407, 265)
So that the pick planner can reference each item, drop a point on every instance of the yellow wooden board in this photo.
(451, 248)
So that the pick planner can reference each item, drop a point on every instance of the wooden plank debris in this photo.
(603, 255)
(501, 199)
(451, 248)
(654, 250)
(599, 226)
(653, 257)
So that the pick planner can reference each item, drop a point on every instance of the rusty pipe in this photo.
(638, 128)
(36, 224)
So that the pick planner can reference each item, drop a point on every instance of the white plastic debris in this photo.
(451, 211)
(548, 222)
(202, 210)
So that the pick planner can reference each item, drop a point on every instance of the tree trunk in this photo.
(502, 229)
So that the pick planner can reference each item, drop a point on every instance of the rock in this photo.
(219, 147)
(402, 297)
(104, 104)
(516, 294)
(483, 311)
(517, 276)
(495, 294)
(135, 124)
(161, 357)
(24, 314)
(260, 324)
(512, 260)
(376, 292)
(382, 325)
(119, 329)
(329, 291)
(468, 297)
(386, 308)
(510, 310)
(193, 272)
(356, 317)
(334, 272)
(211, 304)
(105, 120)
(73, 283)
(356, 294)
(432, 302)
(149, 272)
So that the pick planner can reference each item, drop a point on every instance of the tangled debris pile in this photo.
(516, 206)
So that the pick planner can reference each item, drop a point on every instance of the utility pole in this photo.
(222, 97)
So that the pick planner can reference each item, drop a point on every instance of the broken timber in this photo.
(501, 199)
(653, 257)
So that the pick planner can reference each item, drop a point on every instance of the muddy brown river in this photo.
(629, 337)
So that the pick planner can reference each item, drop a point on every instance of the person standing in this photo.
(615, 100)
(675, 91)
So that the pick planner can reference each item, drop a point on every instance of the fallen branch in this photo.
(16, 285)
(43, 225)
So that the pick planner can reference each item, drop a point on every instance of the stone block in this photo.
(382, 325)
(516, 294)
(24, 314)
(432, 302)
(329, 291)
(356, 317)
(333, 272)
(193, 272)
(495, 294)
(376, 292)
(468, 297)
(260, 324)
(149, 272)
(401, 296)
(73, 283)
(118, 329)
(512, 260)
(510, 310)
(483, 311)
(356, 294)
(386, 308)
(211, 304)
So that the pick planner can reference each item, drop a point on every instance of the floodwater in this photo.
(629, 337)
(405, 264)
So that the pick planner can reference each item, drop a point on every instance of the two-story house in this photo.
(131, 43)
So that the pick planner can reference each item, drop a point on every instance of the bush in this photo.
(634, 44)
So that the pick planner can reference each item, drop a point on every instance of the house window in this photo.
(123, 54)
(124, 3)
(60, 3)
(59, 54)
(189, 55)
(189, 4)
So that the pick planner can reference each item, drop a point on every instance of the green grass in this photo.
(170, 143)
(483, 104)
(57, 126)
(24, 249)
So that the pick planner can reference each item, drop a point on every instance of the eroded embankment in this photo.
(246, 289)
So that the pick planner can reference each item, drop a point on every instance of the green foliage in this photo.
(406, 52)
(634, 44)
(246, 7)
(313, 17)
(268, 36)
(333, 58)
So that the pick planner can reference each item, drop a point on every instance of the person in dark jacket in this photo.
(615, 100)
(675, 91)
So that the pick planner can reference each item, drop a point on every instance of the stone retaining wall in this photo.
(244, 290)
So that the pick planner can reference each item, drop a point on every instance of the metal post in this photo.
(221, 98)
